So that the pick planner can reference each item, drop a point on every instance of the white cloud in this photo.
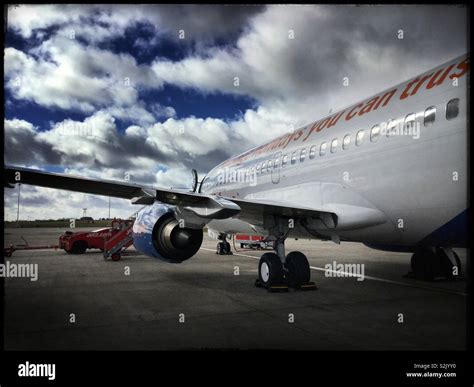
(62, 73)
(174, 178)
(25, 19)
(16, 126)
(96, 23)
(194, 136)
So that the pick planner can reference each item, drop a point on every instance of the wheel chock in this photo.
(308, 286)
(280, 288)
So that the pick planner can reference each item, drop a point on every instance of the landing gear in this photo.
(297, 269)
(277, 272)
(270, 270)
(430, 263)
(423, 262)
(223, 246)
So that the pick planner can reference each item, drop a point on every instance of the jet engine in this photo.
(157, 233)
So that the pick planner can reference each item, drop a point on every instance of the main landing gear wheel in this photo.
(429, 263)
(424, 264)
(448, 268)
(298, 271)
(270, 270)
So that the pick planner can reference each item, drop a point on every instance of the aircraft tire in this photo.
(446, 266)
(298, 270)
(270, 270)
(425, 264)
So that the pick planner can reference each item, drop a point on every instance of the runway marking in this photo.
(370, 277)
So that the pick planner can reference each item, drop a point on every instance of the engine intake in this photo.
(158, 234)
(175, 243)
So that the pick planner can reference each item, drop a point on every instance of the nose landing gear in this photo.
(223, 246)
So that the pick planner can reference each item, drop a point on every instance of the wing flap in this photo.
(255, 210)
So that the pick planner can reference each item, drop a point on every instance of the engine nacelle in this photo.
(157, 233)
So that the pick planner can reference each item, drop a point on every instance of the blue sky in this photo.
(150, 91)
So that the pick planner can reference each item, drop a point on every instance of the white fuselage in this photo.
(417, 177)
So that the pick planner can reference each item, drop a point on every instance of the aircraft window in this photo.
(334, 145)
(410, 121)
(452, 109)
(430, 115)
(293, 158)
(284, 160)
(359, 137)
(312, 152)
(302, 155)
(346, 141)
(374, 133)
(277, 162)
(322, 149)
(269, 165)
(391, 127)
(264, 167)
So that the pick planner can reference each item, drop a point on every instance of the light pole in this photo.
(18, 207)
(109, 207)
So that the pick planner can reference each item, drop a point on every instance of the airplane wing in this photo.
(28, 176)
(206, 206)
(202, 205)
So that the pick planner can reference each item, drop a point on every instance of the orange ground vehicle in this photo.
(110, 240)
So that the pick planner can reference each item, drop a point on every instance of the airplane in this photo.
(389, 171)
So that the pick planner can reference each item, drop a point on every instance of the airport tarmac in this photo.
(202, 304)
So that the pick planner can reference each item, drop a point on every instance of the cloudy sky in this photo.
(149, 92)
